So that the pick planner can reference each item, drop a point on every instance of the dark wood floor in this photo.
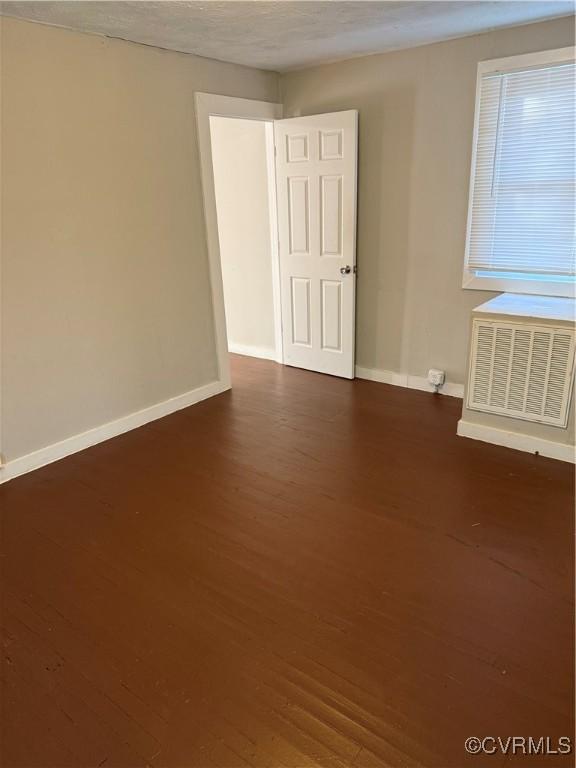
(305, 571)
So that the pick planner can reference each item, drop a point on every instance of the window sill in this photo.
(535, 307)
(519, 286)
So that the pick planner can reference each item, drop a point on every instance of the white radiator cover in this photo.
(521, 369)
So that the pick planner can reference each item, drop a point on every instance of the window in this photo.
(521, 219)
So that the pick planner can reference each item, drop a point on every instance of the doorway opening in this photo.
(293, 221)
(245, 194)
(209, 106)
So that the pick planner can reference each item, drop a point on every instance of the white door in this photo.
(316, 159)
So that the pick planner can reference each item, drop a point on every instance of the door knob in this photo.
(345, 270)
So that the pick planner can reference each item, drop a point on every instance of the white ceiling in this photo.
(285, 35)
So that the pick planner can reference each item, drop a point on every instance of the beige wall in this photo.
(416, 118)
(105, 289)
(242, 200)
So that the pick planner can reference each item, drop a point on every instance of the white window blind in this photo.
(521, 220)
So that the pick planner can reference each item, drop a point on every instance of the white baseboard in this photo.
(520, 442)
(265, 353)
(84, 440)
(407, 380)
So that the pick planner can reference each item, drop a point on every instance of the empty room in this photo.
(287, 341)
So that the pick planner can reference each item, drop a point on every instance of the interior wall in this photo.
(106, 304)
(239, 160)
(416, 115)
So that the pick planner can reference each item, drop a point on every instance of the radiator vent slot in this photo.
(521, 370)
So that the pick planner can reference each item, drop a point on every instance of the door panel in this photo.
(301, 324)
(331, 315)
(298, 206)
(316, 160)
(331, 216)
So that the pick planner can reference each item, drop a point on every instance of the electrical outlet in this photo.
(436, 377)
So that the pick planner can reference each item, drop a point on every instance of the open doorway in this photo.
(312, 168)
(245, 195)
(209, 106)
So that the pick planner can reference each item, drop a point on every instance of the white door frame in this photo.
(208, 104)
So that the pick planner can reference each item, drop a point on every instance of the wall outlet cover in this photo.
(436, 377)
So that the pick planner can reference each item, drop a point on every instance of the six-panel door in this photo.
(316, 159)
